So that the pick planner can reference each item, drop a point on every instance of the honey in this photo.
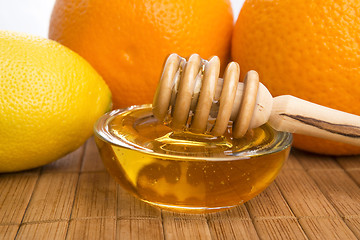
(184, 171)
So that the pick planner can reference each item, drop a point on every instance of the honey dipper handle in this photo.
(295, 115)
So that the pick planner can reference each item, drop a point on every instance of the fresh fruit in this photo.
(128, 41)
(50, 99)
(307, 49)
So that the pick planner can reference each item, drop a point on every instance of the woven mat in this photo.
(314, 197)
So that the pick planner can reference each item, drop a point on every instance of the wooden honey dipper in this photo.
(193, 88)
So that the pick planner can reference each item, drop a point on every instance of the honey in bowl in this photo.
(183, 171)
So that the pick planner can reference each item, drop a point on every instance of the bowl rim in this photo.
(101, 130)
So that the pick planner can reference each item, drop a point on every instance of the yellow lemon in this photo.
(50, 99)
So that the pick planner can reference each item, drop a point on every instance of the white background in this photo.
(32, 16)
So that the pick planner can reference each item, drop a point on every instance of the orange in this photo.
(128, 41)
(308, 49)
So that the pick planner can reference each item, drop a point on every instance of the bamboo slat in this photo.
(349, 162)
(273, 216)
(50, 230)
(355, 174)
(186, 228)
(16, 190)
(312, 162)
(292, 163)
(131, 207)
(336, 185)
(53, 198)
(139, 229)
(354, 225)
(303, 195)
(326, 228)
(92, 161)
(136, 219)
(8, 231)
(95, 196)
(341, 191)
(269, 203)
(234, 223)
(352, 166)
(93, 228)
(222, 228)
(279, 228)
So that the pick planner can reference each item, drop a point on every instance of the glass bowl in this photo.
(186, 172)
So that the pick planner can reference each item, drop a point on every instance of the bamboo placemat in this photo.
(314, 197)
